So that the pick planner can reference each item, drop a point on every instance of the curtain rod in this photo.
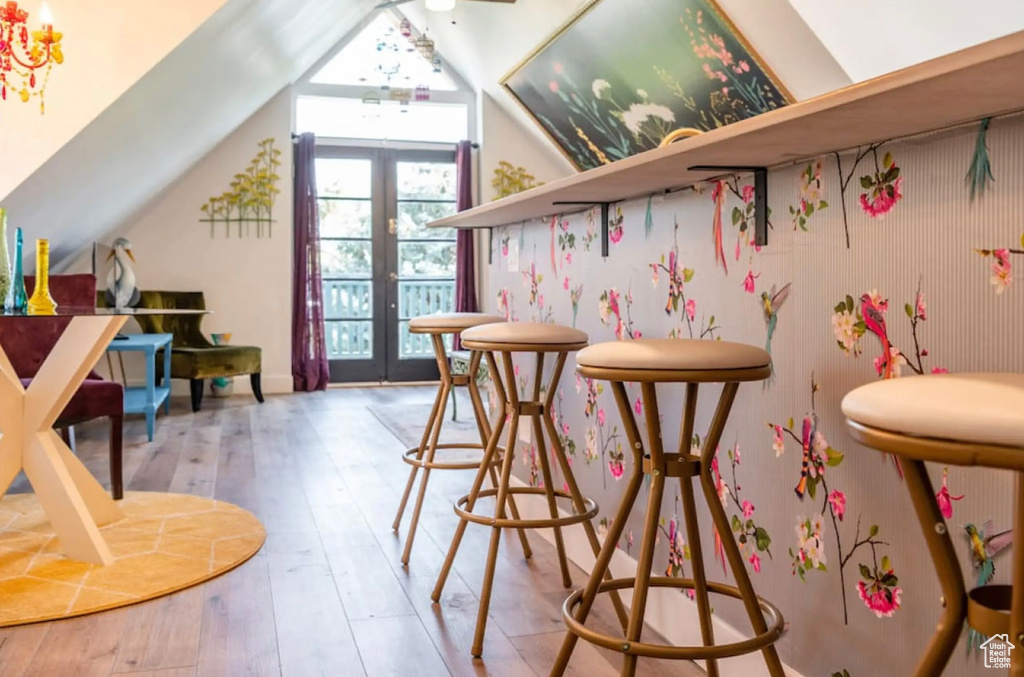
(295, 137)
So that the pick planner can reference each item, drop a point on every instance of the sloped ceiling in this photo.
(206, 87)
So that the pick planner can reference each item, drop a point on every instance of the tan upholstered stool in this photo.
(540, 339)
(653, 361)
(953, 419)
(423, 456)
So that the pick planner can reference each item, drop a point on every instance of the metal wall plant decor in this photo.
(251, 197)
(614, 82)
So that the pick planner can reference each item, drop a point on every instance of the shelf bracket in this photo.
(760, 196)
(605, 214)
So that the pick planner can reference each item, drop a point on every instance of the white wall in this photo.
(873, 37)
(108, 45)
(247, 282)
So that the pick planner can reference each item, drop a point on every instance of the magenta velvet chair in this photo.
(27, 343)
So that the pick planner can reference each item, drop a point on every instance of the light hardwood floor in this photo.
(327, 595)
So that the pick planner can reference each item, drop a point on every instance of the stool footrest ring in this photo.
(621, 645)
(988, 609)
(410, 458)
(508, 523)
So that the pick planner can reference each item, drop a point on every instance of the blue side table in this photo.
(148, 398)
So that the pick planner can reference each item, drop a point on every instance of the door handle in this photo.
(393, 226)
(392, 277)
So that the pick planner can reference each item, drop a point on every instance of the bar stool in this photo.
(437, 326)
(540, 339)
(953, 419)
(649, 362)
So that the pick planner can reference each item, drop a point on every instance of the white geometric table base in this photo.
(73, 500)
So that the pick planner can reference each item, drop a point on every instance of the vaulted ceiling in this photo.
(184, 88)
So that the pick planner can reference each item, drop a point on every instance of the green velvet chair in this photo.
(193, 356)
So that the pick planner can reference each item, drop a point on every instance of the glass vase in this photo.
(5, 261)
(41, 302)
(16, 299)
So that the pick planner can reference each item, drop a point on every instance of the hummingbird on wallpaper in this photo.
(984, 548)
(874, 320)
(771, 302)
(807, 441)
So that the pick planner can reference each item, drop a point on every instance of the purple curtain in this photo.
(465, 266)
(309, 349)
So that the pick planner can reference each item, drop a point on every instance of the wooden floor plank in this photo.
(84, 647)
(163, 633)
(18, 647)
(396, 647)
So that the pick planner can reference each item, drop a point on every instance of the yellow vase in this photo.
(41, 302)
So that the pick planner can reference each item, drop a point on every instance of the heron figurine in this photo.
(121, 289)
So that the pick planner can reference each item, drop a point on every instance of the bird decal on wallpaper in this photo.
(874, 320)
(121, 289)
(718, 195)
(771, 301)
(807, 442)
(984, 548)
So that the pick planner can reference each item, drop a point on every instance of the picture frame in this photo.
(620, 75)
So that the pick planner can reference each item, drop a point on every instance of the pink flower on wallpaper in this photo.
(568, 257)
(600, 416)
(837, 500)
(617, 468)
(944, 498)
(1002, 271)
(898, 360)
(565, 284)
(738, 242)
(939, 370)
(638, 406)
(748, 281)
(748, 193)
(558, 68)
(553, 86)
(882, 198)
(748, 509)
(637, 334)
(540, 300)
(756, 562)
(920, 307)
(691, 309)
(778, 442)
(883, 601)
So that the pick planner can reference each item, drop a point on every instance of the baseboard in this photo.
(668, 612)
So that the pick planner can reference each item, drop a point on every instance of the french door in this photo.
(381, 266)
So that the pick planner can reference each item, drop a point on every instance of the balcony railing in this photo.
(348, 309)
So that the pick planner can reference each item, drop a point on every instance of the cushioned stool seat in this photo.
(952, 419)
(450, 323)
(534, 336)
(655, 359)
(937, 406)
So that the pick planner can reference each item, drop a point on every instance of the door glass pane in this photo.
(417, 346)
(349, 258)
(348, 299)
(413, 218)
(344, 177)
(332, 117)
(426, 259)
(426, 181)
(423, 297)
(349, 340)
(346, 218)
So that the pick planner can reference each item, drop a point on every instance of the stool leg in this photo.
(481, 475)
(485, 432)
(499, 512)
(1017, 605)
(570, 478)
(446, 389)
(721, 520)
(427, 430)
(549, 489)
(700, 587)
(940, 546)
(650, 533)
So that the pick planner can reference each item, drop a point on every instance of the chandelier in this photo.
(20, 59)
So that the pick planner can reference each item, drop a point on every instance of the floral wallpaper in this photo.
(879, 265)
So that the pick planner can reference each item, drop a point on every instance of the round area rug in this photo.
(165, 543)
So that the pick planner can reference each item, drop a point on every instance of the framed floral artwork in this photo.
(623, 74)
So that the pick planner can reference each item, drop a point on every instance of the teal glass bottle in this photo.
(17, 299)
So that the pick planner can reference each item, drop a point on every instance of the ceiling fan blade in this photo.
(391, 3)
